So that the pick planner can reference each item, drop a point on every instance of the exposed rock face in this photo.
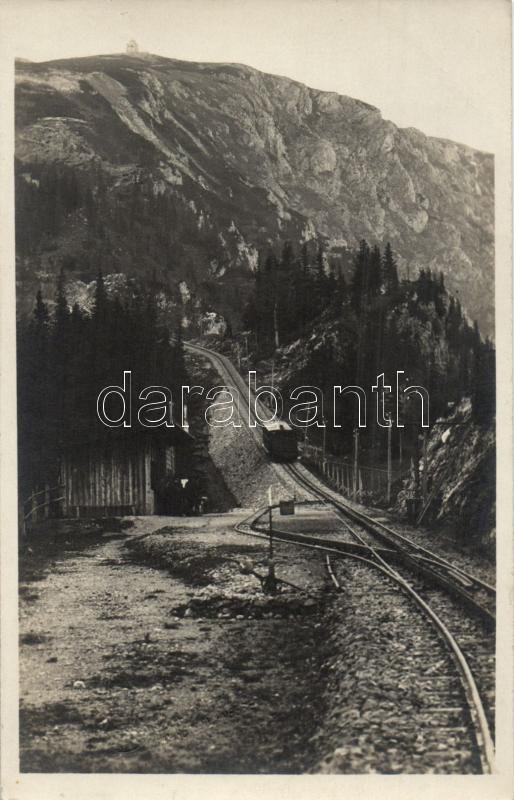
(270, 158)
(461, 460)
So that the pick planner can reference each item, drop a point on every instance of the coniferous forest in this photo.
(371, 324)
(75, 220)
(374, 323)
(65, 358)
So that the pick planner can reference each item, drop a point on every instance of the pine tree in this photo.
(179, 359)
(359, 284)
(100, 299)
(40, 312)
(61, 313)
(390, 271)
(60, 355)
(268, 300)
(483, 394)
(375, 273)
(285, 300)
(200, 458)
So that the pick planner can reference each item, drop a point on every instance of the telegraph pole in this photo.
(275, 325)
(270, 582)
(355, 462)
(424, 477)
(306, 428)
(389, 465)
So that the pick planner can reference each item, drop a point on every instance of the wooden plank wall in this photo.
(117, 481)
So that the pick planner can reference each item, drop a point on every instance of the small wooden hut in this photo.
(120, 474)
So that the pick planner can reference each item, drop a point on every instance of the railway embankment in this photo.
(235, 449)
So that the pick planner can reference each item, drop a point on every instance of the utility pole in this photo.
(424, 477)
(271, 534)
(306, 428)
(389, 465)
(324, 446)
(416, 468)
(275, 325)
(270, 582)
(355, 462)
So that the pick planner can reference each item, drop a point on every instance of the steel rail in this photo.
(481, 730)
(414, 546)
(417, 553)
(448, 580)
(483, 739)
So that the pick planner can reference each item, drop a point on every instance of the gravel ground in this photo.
(185, 668)
(154, 650)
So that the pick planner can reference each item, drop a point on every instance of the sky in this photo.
(436, 65)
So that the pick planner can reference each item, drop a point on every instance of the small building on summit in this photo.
(132, 48)
(124, 473)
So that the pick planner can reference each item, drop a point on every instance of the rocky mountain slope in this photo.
(461, 464)
(254, 158)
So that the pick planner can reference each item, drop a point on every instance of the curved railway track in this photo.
(461, 679)
(476, 594)
(471, 590)
(438, 589)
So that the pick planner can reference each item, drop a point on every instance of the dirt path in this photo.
(118, 674)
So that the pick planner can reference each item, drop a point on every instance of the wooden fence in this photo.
(365, 483)
(42, 505)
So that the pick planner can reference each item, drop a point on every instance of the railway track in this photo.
(452, 658)
(441, 593)
(232, 378)
(477, 595)
(447, 709)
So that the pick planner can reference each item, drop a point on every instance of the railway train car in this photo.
(279, 439)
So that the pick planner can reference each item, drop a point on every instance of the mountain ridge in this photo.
(269, 158)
